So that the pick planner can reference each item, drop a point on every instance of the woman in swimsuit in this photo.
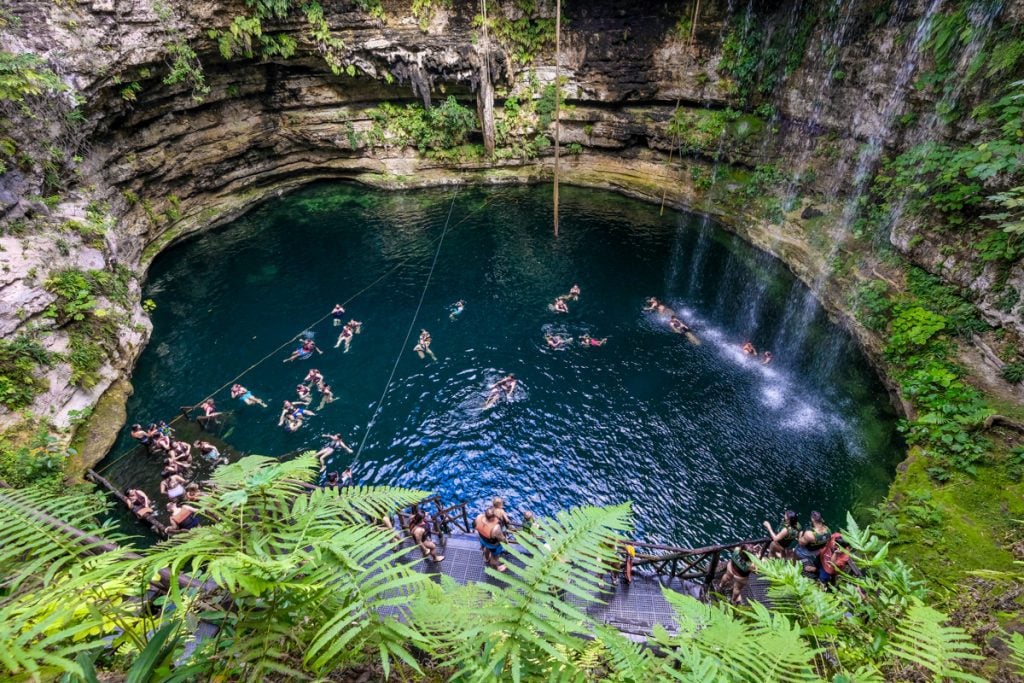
(209, 452)
(334, 442)
(574, 292)
(305, 395)
(556, 342)
(245, 396)
(749, 349)
(767, 358)
(559, 306)
(811, 541)
(677, 325)
(651, 305)
(587, 340)
(173, 485)
(141, 435)
(336, 313)
(782, 542)
(356, 326)
(138, 502)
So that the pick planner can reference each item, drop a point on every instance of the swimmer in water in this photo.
(455, 310)
(314, 379)
(677, 325)
(749, 349)
(345, 338)
(245, 396)
(559, 306)
(210, 413)
(336, 313)
(574, 292)
(587, 340)
(326, 396)
(346, 477)
(503, 388)
(334, 442)
(556, 342)
(304, 352)
(293, 424)
(422, 347)
(356, 326)
(767, 358)
(652, 305)
(305, 395)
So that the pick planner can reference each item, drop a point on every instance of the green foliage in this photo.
(21, 358)
(1011, 218)
(86, 358)
(424, 10)
(923, 639)
(700, 130)
(758, 59)
(873, 305)
(33, 459)
(1013, 372)
(545, 105)
(185, 67)
(24, 75)
(961, 316)
(439, 128)
(531, 30)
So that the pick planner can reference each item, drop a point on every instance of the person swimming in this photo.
(246, 396)
(346, 478)
(337, 312)
(210, 413)
(574, 292)
(556, 342)
(422, 347)
(767, 358)
(209, 452)
(334, 442)
(326, 396)
(503, 388)
(456, 309)
(651, 305)
(677, 325)
(749, 349)
(356, 326)
(559, 306)
(587, 340)
(345, 338)
(304, 351)
(304, 394)
(314, 379)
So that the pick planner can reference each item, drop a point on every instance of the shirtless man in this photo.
(488, 529)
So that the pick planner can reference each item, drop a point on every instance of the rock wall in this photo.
(164, 163)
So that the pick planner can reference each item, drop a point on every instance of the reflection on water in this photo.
(705, 440)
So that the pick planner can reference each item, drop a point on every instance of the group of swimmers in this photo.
(822, 553)
(748, 348)
(178, 470)
(676, 324)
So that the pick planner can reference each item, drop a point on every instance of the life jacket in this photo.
(794, 533)
(834, 557)
(741, 561)
(820, 538)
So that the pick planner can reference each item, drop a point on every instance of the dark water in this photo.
(705, 441)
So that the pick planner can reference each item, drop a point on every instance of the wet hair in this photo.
(497, 502)
(792, 519)
(136, 426)
(816, 517)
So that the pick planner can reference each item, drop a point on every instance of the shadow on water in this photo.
(704, 440)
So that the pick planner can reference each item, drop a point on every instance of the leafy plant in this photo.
(21, 358)
(530, 29)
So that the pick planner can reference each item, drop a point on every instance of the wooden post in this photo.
(465, 518)
(712, 570)
(558, 93)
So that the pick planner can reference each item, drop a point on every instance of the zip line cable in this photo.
(347, 301)
(408, 334)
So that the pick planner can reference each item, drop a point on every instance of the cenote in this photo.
(705, 441)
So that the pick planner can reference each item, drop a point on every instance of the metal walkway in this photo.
(632, 608)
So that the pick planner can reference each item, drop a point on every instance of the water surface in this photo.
(705, 441)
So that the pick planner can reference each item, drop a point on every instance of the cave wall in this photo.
(165, 163)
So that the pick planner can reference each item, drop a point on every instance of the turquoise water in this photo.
(705, 441)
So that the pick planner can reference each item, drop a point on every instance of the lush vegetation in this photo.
(292, 585)
(432, 130)
(530, 29)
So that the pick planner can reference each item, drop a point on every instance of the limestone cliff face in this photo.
(163, 163)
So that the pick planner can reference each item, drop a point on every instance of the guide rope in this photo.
(319, 320)
(408, 335)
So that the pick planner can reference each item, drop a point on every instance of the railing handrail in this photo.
(697, 551)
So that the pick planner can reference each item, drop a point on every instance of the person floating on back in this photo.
(334, 442)
(767, 358)
(589, 341)
(422, 347)
(246, 396)
(345, 337)
(456, 309)
(504, 387)
(337, 312)
(559, 306)
(749, 349)
(304, 352)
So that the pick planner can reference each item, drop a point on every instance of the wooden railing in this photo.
(698, 565)
(445, 519)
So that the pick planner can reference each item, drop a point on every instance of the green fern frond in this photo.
(923, 639)
(1016, 644)
(768, 647)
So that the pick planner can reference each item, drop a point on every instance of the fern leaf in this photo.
(921, 638)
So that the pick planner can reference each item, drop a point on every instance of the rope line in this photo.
(346, 302)
(408, 335)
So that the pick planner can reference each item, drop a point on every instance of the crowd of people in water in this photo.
(295, 412)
